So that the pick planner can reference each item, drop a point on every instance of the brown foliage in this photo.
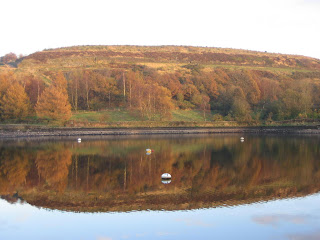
(10, 57)
(118, 173)
(53, 167)
(34, 86)
(15, 103)
(54, 104)
(155, 80)
(60, 82)
(13, 170)
(6, 78)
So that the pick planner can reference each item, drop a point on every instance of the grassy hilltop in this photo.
(164, 58)
(170, 83)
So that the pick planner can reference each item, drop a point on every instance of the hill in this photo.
(165, 57)
(152, 81)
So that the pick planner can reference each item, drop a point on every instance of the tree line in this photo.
(230, 94)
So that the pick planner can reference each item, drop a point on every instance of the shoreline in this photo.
(26, 132)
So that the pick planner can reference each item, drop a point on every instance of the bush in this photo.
(217, 117)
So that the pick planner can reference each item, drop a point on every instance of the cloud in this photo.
(104, 238)
(274, 220)
(194, 222)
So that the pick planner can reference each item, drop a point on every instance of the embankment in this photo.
(9, 131)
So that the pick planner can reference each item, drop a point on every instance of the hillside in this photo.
(165, 57)
(152, 81)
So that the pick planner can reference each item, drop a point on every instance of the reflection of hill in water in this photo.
(117, 175)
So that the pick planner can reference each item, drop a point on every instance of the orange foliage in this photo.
(54, 104)
(53, 166)
(15, 103)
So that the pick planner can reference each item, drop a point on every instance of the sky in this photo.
(279, 26)
(287, 219)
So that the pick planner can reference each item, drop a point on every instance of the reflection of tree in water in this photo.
(14, 167)
(198, 164)
(53, 166)
(203, 169)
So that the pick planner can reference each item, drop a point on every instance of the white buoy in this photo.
(148, 153)
(148, 150)
(166, 181)
(242, 138)
(166, 176)
(79, 140)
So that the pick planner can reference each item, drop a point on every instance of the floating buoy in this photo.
(148, 150)
(148, 153)
(166, 176)
(79, 139)
(242, 138)
(166, 181)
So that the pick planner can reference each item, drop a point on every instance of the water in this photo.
(110, 188)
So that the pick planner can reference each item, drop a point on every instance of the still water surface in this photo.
(109, 188)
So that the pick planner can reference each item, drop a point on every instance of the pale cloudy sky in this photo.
(282, 26)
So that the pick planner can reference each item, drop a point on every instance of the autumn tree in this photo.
(172, 83)
(6, 78)
(163, 103)
(53, 104)
(297, 101)
(34, 87)
(206, 84)
(252, 89)
(131, 78)
(240, 107)
(205, 106)
(10, 57)
(15, 103)
(60, 82)
(87, 79)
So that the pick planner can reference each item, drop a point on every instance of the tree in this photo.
(240, 107)
(54, 104)
(15, 103)
(163, 103)
(10, 57)
(5, 81)
(73, 88)
(297, 100)
(205, 106)
(252, 89)
(34, 87)
(60, 82)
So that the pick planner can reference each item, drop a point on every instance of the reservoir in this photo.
(103, 188)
